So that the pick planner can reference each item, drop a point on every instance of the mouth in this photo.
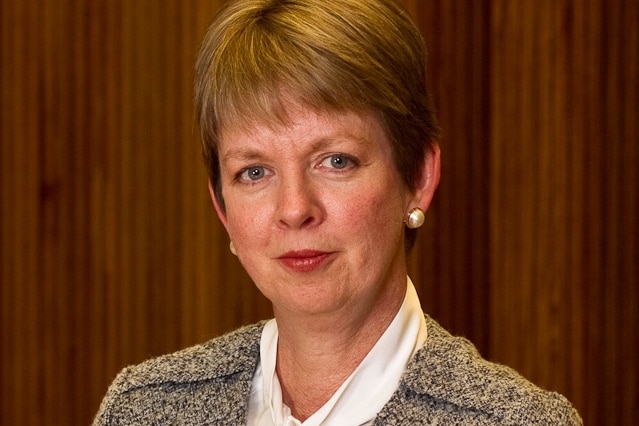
(304, 260)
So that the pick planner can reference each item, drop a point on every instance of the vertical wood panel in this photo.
(449, 263)
(563, 199)
(110, 247)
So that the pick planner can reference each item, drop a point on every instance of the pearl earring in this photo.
(232, 248)
(415, 218)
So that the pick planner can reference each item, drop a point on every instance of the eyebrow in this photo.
(241, 154)
(318, 145)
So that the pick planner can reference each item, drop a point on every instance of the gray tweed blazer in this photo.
(446, 383)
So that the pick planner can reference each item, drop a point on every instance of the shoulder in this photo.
(451, 377)
(217, 358)
(182, 383)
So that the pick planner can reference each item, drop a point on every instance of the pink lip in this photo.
(304, 260)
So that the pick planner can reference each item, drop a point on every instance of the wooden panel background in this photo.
(110, 251)
(564, 198)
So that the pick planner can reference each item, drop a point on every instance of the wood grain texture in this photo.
(453, 246)
(110, 251)
(563, 213)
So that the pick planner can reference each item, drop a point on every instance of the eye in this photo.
(252, 173)
(337, 161)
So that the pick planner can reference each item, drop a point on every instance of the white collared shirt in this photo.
(363, 393)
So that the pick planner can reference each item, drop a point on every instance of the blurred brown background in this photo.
(110, 251)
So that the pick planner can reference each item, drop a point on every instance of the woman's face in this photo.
(315, 210)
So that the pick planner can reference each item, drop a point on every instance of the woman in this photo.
(320, 144)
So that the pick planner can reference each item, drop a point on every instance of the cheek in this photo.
(245, 224)
(246, 230)
(372, 214)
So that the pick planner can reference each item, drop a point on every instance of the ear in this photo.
(428, 180)
(220, 211)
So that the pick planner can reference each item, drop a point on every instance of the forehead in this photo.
(304, 126)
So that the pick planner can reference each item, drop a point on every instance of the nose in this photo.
(298, 203)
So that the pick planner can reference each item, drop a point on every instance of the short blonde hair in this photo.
(361, 55)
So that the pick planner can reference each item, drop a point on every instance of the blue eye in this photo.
(253, 173)
(337, 161)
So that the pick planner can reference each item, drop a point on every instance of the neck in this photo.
(317, 353)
